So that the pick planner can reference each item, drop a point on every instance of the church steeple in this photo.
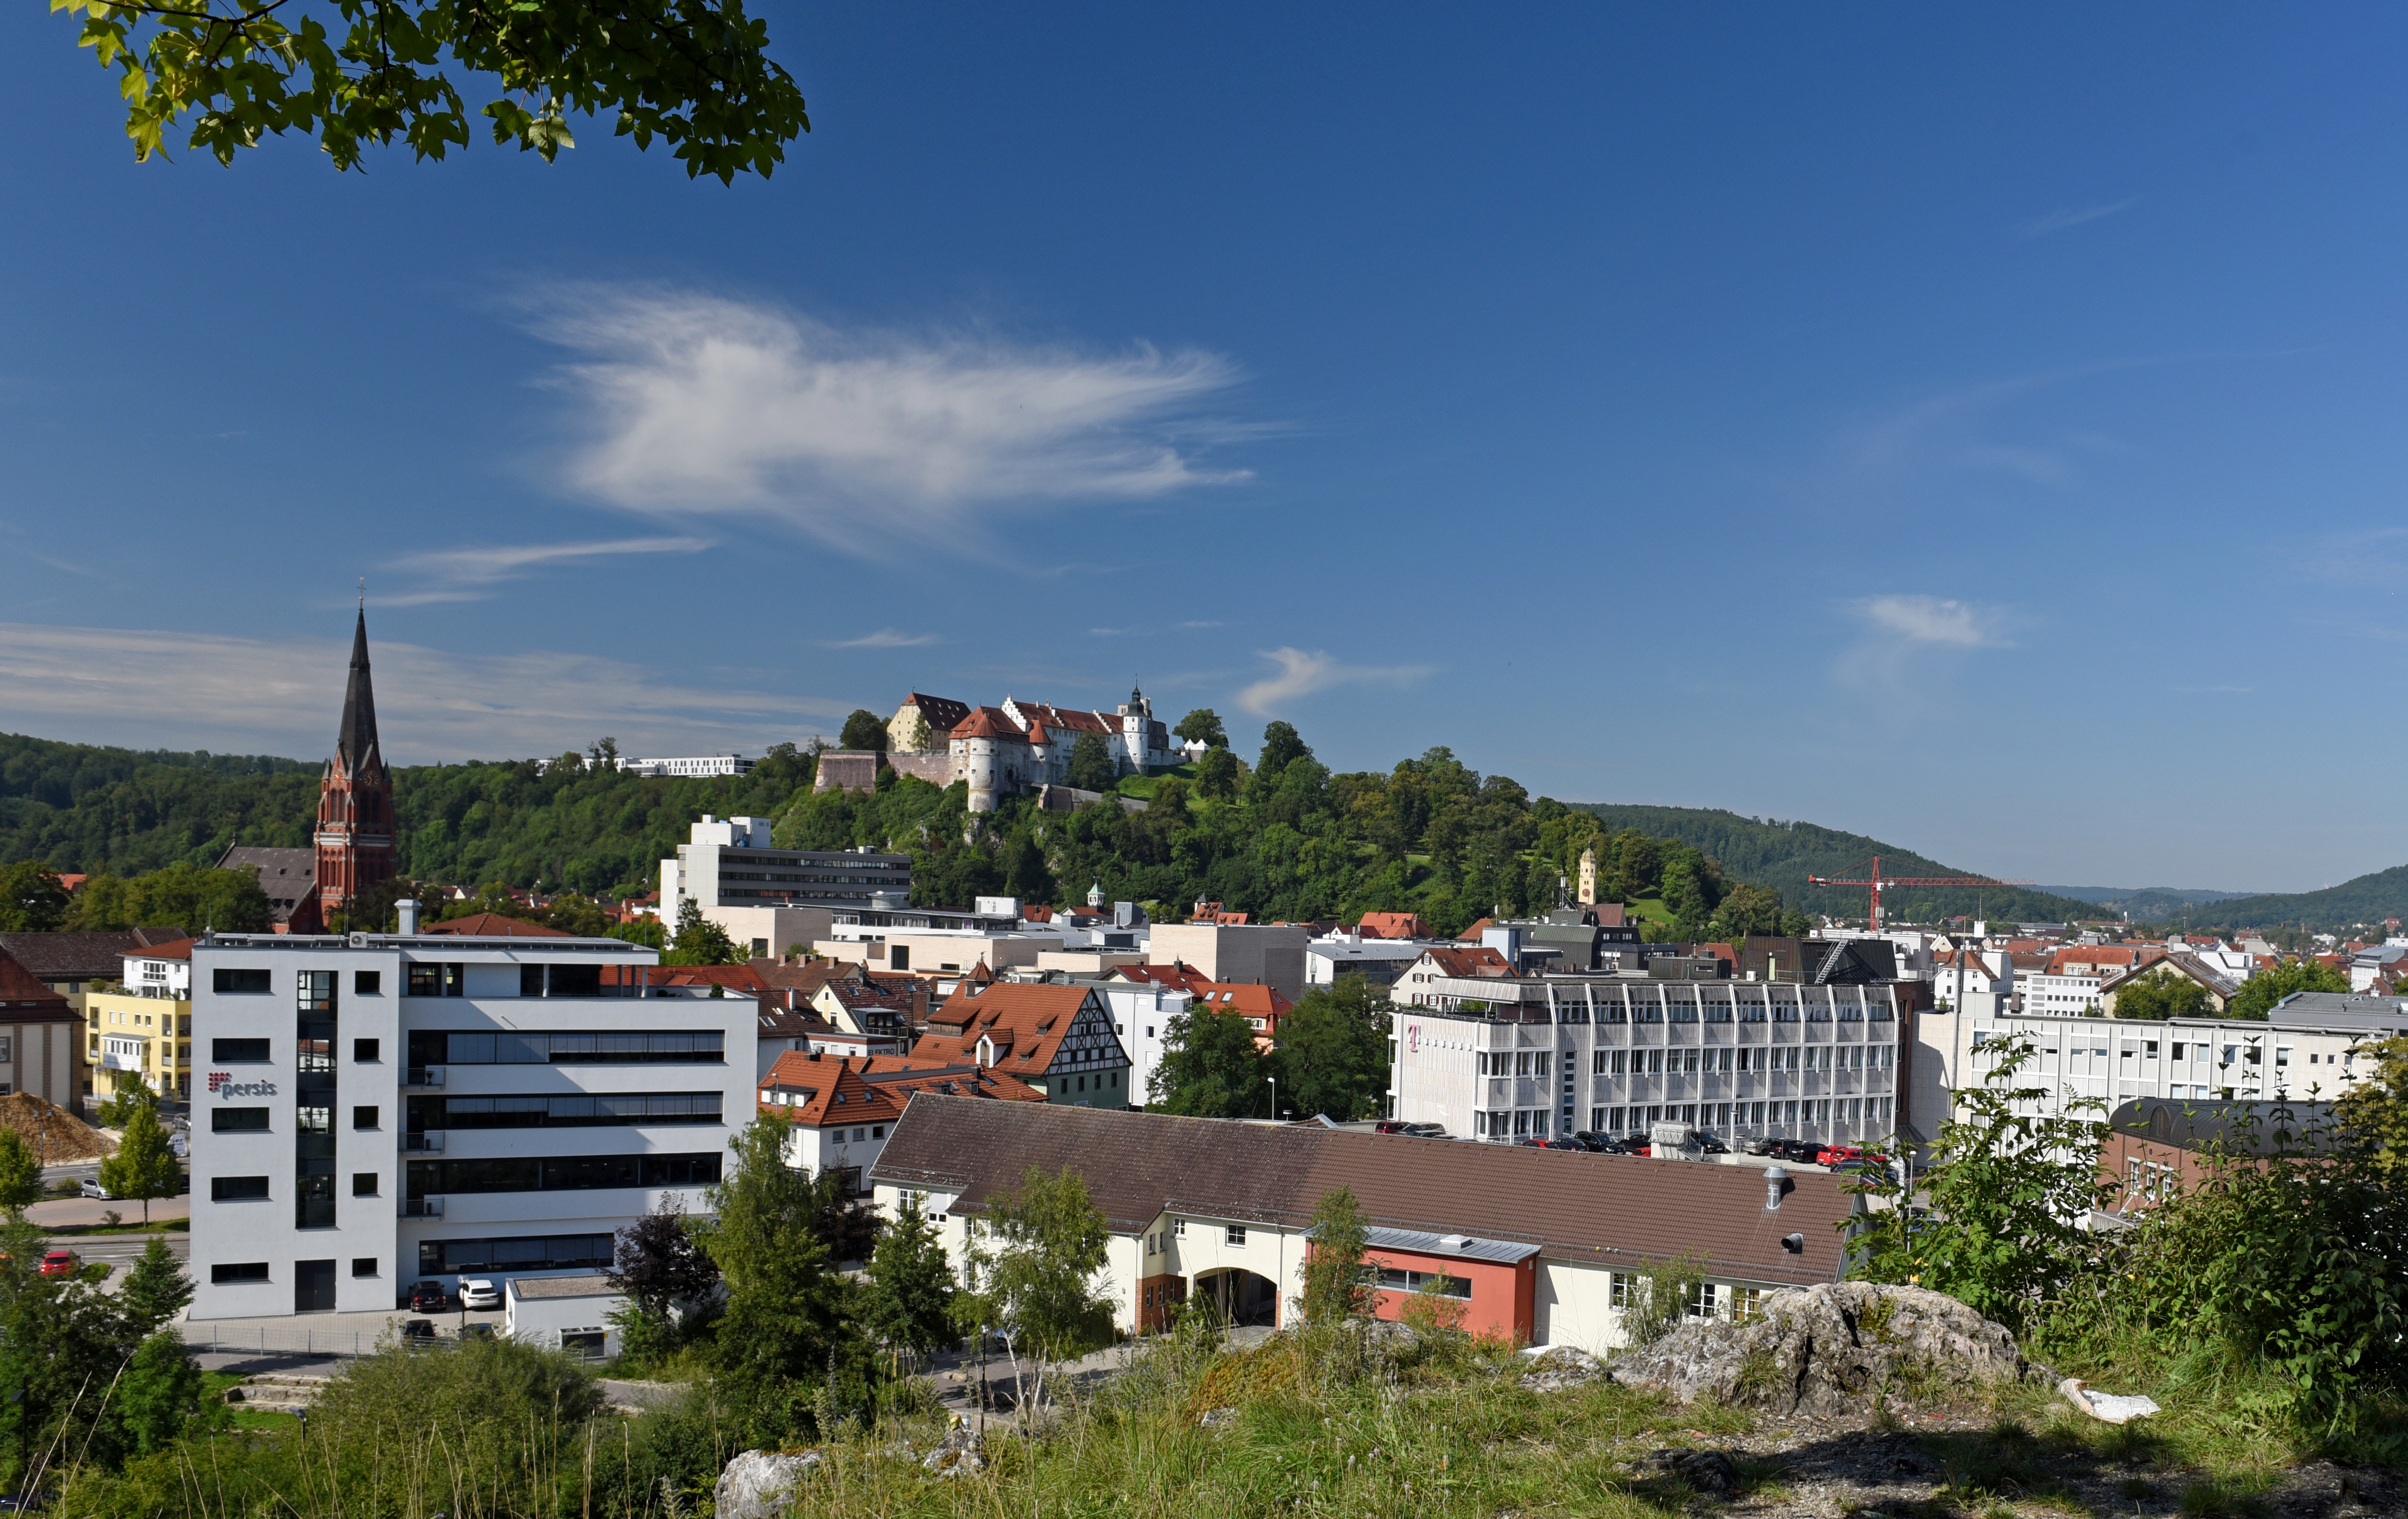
(355, 826)
(356, 740)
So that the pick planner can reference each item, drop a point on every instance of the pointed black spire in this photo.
(357, 741)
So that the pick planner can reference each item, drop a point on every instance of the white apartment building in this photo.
(1539, 1057)
(2310, 1050)
(1141, 1013)
(1347, 953)
(2058, 995)
(704, 764)
(728, 867)
(380, 1109)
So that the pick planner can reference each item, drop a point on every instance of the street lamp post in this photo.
(1274, 1081)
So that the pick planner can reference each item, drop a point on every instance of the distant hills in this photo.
(2145, 902)
(2365, 899)
(1783, 854)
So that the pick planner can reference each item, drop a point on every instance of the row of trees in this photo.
(34, 900)
(750, 1294)
(2162, 993)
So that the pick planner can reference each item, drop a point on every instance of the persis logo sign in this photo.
(224, 1085)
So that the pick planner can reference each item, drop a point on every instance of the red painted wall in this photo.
(1504, 1299)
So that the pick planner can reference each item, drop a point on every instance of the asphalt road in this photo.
(121, 1250)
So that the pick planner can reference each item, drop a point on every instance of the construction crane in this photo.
(1874, 878)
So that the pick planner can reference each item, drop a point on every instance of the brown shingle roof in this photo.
(82, 956)
(1576, 1206)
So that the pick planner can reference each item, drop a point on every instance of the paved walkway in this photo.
(60, 1212)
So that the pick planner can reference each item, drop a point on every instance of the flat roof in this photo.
(1505, 1251)
(592, 1285)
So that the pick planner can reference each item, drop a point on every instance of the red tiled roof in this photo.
(177, 950)
(1394, 925)
(1469, 961)
(988, 723)
(817, 1090)
(1177, 975)
(22, 992)
(492, 926)
(1025, 1021)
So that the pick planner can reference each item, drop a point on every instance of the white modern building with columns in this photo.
(1543, 1057)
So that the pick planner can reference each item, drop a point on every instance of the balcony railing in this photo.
(422, 1208)
(423, 1143)
(424, 1076)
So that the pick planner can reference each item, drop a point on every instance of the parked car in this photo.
(1709, 1146)
(1526, 1142)
(1833, 1155)
(428, 1296)
(418, 1333)
(478, 1331)
(61, 1261)
(1389, 1125)
(1641, 1148)
(1755, 1147)
(478, 1293)
(1426, 1131)
(1800, 1151)
(1566, 1144)
(92, 1188)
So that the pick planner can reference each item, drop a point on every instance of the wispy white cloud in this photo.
(259, 696)
(1201, 624)
(1301, 674)
(468, 574)
(1920, 619)
(1903, 634)
(886, 637)
(2074, 215)
(701, 405)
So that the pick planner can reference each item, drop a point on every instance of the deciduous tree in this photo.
(911, 1285)
(20, 1174)
(1210, 1068)
(33, 899)
(1043, 1284)
(1339, 1283)
(1203, 726)
(2159, 995)
(1333, 1049)
(143, 1166)
(695, 73)
(1091, 765)
(663, 1272)
(787, 1309)
(700, 941)
(2261, 992)
(863, 729)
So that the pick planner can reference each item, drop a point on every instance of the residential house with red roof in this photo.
(1425, 982)
(1058, 1039)
(841, 1108)
(41, 1034)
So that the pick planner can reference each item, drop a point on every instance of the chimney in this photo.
(1776, 1182)
(408, 908)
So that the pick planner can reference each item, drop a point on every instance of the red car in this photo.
(62, 1263)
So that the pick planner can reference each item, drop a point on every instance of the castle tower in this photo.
(355, 797)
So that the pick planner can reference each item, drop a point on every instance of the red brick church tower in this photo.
(355, 798)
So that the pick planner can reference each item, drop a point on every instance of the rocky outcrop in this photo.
(1834, 1350)
(760, 1484)
(958, 1454)
(1705, 1471)
(1560, 1368)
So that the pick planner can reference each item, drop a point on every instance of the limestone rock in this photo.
(1217, 1418)
(1832, 1350)
(1562, 1367)
(958, 1454)
(760, 1484)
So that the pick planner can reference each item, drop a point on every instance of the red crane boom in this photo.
(1875, 880)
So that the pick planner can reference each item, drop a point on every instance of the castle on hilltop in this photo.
(1004, 751)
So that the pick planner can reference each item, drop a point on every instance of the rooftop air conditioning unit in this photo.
(1456, 1241)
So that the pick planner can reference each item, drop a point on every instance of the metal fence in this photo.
(260, 1339)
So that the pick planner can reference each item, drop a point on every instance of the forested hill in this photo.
(2364, 899)
(1782, 855)
(1280, 837)
(83, 807)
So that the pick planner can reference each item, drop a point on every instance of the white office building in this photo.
(375, 1110)
(1503, 1058)
(700, 765)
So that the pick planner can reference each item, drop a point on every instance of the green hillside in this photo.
(2365, 899)
(1781, 855)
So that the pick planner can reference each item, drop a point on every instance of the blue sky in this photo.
(1979, 431)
